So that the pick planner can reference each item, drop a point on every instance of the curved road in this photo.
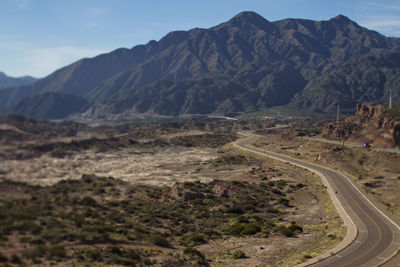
(373, 237)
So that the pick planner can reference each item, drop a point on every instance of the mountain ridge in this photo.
(8, 81)
(164, 77)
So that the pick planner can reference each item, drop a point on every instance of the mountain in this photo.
(7, 81)
(47, 106)
(245, 64)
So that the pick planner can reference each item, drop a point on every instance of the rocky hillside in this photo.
(245, 64)
(373, 123)
(361, 79)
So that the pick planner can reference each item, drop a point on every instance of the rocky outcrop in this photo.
(373, 123)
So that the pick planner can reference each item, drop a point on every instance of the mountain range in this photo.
(243, 65)
(7, 81)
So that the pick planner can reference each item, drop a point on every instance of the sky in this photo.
(39, 36)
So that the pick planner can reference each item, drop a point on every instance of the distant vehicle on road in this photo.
(366, 145)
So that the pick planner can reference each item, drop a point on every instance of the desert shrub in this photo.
(272, 210)
(373, 184)
(57, 252)
(281, 183)
(37, 241)
(283, 201)
(3, 258)
(232, 160)
(250, 229)
(211, 233)
(238, 254)
(159, 240)
(37, 252)
(193, 252)
(332, 236)
(93, 254)
(293, 227)
(114, 250)
(236, 229)
(88, 201)
(285, 231)
(244, 229)
(15, 259)
(235, 210)
(276, 191)
(192, 239)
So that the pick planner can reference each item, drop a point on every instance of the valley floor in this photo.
(160, 196)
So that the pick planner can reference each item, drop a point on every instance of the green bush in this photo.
(293, 227)
(286, 232)
(193, 252)
(236, 229)
(244, 229)
(250, 229)
(192, 239)
(238, 254)
(159, 240)
(57, 252)
(93, 254)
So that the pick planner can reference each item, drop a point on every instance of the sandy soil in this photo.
(145, 167)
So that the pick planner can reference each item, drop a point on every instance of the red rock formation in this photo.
(373, 123)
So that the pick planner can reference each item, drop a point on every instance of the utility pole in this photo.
(338, 114)
(390, 98)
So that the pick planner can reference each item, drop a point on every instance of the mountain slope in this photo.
(7, 81)
(244, 64)
(251, 88)
(361, 79)
(47, 106)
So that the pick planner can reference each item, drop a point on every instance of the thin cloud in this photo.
(385, 6)
(383, 22)
(386, 24)
(381, 16)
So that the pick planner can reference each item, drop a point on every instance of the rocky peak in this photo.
(341, 19)
(250, 19)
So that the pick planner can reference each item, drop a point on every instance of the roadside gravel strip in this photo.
(372, 238)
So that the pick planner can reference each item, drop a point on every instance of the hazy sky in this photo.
(40, 36)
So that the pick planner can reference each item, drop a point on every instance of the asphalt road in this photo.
(376, 240)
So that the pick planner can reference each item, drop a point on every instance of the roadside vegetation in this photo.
(219, 206)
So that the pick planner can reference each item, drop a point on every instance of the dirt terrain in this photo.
(152, 195)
